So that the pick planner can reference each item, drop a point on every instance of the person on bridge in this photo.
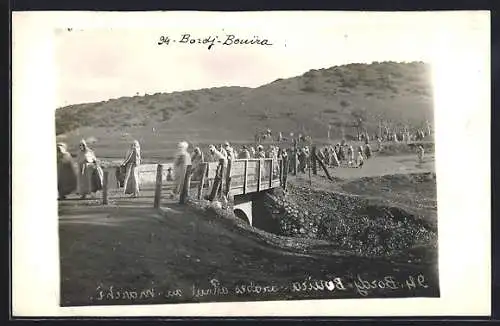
(66, 172)
(196, 160)
(131, 163)
(216, 154)
(222, 151)
(229, 151)
(182, 160)
(252, 152)
(87, 165)
(244, 154)
(260, 152)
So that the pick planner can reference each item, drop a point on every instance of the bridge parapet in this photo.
(236, 177)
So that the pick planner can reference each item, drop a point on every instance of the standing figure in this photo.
(360, 160)
(260, 152)
(244, 153)
(87, 165)
(361, 150)
(334, 157)
(420, 153)
(229, 151)
(131, 164)
(196, 160)
(368, 151)
(252, 152)
(66, 172)
(182, 160)
(350, 156)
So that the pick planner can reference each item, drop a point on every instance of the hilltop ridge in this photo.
(397, 92)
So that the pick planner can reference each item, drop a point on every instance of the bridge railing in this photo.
(254, 175)
(236, 177)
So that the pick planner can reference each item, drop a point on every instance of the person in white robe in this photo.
(252, 151)
(197, 159)
(260, 152)
(131, 163)
(87, 163)
(229, 151)
(182, 160)
(350, 156)
(420, 153)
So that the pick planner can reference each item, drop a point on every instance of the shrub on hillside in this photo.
(330, 111)
(308, 88)
(345, 103)
(348, 83)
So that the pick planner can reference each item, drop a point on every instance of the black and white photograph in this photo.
(253, 162)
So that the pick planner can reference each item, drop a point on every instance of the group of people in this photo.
(335, 156)
(86, 176)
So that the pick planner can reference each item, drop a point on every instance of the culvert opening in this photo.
(241, 215)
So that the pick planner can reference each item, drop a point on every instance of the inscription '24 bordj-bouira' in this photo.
(210, 41)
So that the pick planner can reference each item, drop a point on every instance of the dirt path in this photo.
(137, 248)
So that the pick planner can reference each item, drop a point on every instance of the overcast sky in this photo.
(97, 64)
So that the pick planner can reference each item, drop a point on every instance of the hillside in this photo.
(397, 92)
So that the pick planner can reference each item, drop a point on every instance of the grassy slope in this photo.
(400, 92)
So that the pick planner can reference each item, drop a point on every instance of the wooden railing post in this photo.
(227, 187)
(295, 161)
(186, 184)
(217, 181)
(158, 186)
(105, 188)
(222, 178)
(271, 170)
(258, 174)
(204, 169)
(281, 170)
(245, 177)
(285, 174)
(323, 166)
